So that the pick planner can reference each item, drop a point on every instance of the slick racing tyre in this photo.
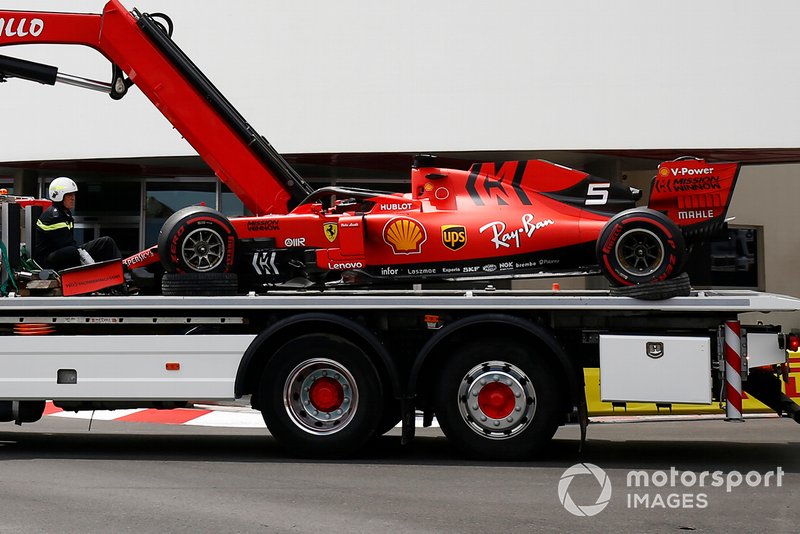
(199, 284)
(640, 246)
(197, 240)
(498, 400)
(321, 396)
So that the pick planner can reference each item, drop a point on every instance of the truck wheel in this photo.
(321, 396)
(197, 240)
(496, 400)
(639, 246)
(199, 284)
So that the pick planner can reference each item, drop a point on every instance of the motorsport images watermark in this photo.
(656, 489)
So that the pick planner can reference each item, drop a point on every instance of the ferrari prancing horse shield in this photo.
(331, 231)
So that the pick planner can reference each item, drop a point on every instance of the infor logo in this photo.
(581, 470)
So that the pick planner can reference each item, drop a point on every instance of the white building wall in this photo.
(412, 75)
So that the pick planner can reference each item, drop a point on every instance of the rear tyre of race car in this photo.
(640, 246)
(498, 400)
(197, 240)
(321, 396)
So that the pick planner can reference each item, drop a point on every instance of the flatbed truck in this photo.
(500, 369)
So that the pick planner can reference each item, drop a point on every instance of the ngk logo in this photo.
(23, 28)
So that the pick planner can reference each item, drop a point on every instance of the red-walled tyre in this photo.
(197, 240)
(640, 246)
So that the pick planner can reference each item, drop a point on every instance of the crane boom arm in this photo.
(138, 45)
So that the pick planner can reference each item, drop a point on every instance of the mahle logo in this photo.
(454, 236)
(581, 470)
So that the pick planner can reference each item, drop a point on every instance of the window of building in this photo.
(229, 203)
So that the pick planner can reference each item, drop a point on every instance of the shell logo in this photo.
(664, 172)
(404, 235)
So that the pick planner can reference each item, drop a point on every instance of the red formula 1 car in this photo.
(510, 219)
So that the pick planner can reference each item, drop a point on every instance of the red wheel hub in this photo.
(326, 394)
(496, 400)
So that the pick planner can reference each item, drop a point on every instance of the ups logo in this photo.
(454, 236)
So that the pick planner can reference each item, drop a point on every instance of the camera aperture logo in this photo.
(673, 489)
(581, 470)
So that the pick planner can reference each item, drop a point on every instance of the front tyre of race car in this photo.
(640, 246)
(197, 239)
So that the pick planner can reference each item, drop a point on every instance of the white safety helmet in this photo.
(60, 187)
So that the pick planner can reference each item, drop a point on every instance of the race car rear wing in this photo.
(694, 194)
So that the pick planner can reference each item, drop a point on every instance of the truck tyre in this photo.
(321, 396)
(199, 284)
(497, 401)
(197, 240)
(640, 246)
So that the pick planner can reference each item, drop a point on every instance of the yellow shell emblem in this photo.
(664, 172)
(404, 235)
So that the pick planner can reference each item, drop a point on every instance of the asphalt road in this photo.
(56, 476)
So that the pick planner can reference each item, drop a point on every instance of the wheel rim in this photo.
(203, 250)
(320, 396)
(640, 252)
(496, 400)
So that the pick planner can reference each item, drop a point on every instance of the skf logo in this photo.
(404, 235)
(331, 231)
(454, 237)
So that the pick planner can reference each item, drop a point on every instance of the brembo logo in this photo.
(23, 28)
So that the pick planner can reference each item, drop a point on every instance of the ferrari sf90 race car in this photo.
(495, 220)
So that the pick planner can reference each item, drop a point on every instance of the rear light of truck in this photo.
(790, 342)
